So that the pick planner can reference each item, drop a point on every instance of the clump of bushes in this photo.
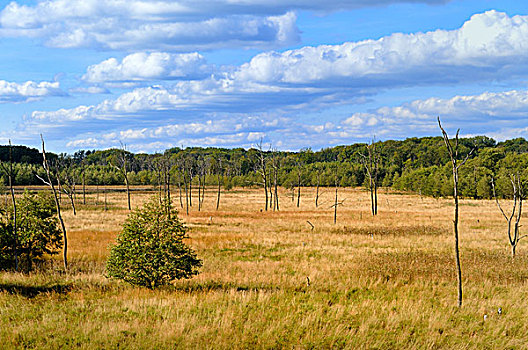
(37, 232)
(150, 250)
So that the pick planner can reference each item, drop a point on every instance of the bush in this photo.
(38, 231)
(150, 250)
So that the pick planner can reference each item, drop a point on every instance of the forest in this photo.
(419, 165)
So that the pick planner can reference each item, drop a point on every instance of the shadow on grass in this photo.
(33, 291)
(210, 286)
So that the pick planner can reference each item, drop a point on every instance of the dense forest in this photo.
(421, 165)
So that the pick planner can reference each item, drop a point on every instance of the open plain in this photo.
(271, 281)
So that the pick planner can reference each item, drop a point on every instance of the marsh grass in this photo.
(375, 282)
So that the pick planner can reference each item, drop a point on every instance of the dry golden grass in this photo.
(375, 282)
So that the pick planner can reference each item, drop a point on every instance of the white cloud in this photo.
(167, 25)
(133, 25)
(321, 76)
(28, 91)
(489, 45)
(89, 90)
(144, 66)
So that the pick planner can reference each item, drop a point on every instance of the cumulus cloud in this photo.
(312, 78)
(28, 91)
(319, 76)
(490, 45)
(144, 66)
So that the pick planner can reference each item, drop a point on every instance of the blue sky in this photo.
(91, 74)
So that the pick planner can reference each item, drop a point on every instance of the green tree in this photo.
(37, 230)
(150, 250)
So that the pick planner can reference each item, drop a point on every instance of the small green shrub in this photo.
(150, 250)
(38, 231)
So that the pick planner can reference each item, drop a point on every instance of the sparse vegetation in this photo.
(375, 282)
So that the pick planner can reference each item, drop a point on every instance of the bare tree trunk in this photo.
(335, 205)
(218, 193)
(84, 187)
(199, 192)
(186, 193)
(317, 189)
(57, 204)
(128, 192)
(453, 154)
(180, 190)
(190, 187)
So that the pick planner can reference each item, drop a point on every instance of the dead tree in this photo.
(371, 162)
(49, 182)
(453, 154)
(9, 171)
(275, 167)
(219, 176)
(66, 174)
(318, 171)
(518, 197)
(262, 169)
(336, 182)
(122, 164)
(298, 165)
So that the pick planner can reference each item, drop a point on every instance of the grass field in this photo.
(375, 282)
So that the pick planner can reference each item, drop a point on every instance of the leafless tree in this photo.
(219, 176)
(263, 170)
(456, 164)
(49, 182)
(318, 172)
(336, 183)
(275, 167)
(121, 162)
(518, 197)
(298, 166)
(371, 162)
(66, 173)
(9, 171)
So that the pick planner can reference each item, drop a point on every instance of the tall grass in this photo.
(375, 282)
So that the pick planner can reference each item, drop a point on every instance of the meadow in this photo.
(271, 281)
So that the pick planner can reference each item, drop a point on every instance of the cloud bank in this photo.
(167, 25)
(28, 91)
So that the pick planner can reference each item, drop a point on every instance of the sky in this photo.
(292, 74)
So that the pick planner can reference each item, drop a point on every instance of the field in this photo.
(271, 281)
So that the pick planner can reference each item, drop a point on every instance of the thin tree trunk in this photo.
(180, 190)
(57, 204)
(199, 192)
(128, 192)
(457, 251)
(218, 194)
(84, 187)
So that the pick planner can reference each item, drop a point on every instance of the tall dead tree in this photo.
(318, 172)
(122, 164)
(49, 182)
(9, 171)
(371, 162)
(518, 197)
(336, 182)
(456, 164)
(263, 170)
(298, 165)
(66, 174)
(275, 167)
(219, 176)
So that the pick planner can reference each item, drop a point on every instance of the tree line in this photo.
(420, 165)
